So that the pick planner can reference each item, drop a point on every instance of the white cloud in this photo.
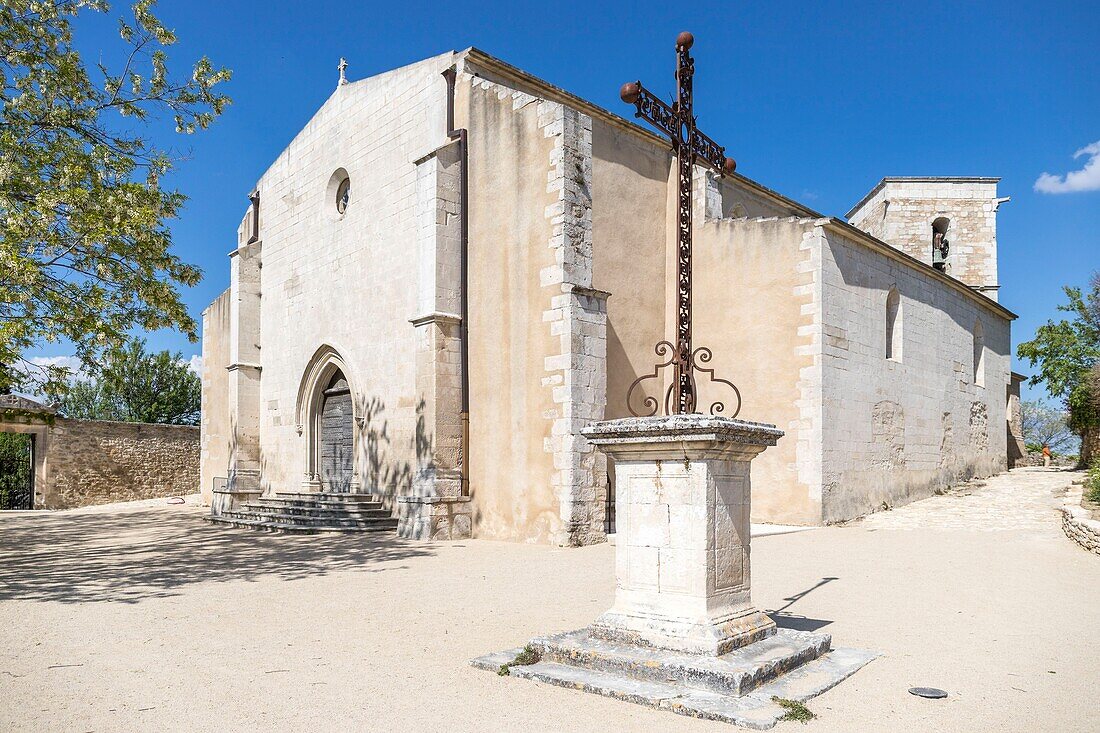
(74, 365)
(194, 363)
(1086, 179)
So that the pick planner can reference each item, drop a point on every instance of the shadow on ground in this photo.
(130, 556)
(784, 619)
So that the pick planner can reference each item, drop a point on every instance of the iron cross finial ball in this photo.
(729, 165)
(684, 40)
(630, 92)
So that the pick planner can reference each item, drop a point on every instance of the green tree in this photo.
(1046, 425)
(85, 248)
(137, 386)
(15, 467)
(1067, 352)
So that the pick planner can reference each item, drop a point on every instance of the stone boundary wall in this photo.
(99, 462)
(1079, 526)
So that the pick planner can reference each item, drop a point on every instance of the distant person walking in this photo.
(1046, 455)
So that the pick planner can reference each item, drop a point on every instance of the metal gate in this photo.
(16, 471)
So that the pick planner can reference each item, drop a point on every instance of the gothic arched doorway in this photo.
(337, 438)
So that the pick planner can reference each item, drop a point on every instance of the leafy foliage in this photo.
(1067, 352)
(528, 656)
(15, 465)
(137, 387)
(794, 710)
(85, 250)
(1046, 425)
(1092, 483)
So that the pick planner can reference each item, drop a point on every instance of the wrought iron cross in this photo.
(691, 146)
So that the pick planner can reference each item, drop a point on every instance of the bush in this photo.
(1092, 482)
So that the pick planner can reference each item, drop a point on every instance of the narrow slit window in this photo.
(979, 354)
(893, 325)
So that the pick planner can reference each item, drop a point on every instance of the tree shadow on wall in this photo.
(388, 478)
(133, 555)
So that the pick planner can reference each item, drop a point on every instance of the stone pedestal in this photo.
(683, 634)
(682, 548)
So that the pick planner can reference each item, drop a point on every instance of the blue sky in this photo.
(816, 100)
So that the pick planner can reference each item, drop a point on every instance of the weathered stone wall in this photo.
(98, 462)
(1078, 524)
(215, 431)
(513, 141)
(1017, 448)
(753, 282)
(901, 211)
(757, 300)
(898, 429)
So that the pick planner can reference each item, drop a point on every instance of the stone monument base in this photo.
(712, 636)
(683, 634)
(736, 687)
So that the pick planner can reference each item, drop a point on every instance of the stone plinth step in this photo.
(279, 507)
(735, 673)
(754, 710)
(272, 526)
(327, 496)
(312, 521)
(318, 505)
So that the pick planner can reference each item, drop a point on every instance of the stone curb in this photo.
(1079, 526)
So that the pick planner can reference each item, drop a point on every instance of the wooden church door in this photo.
(337, 439)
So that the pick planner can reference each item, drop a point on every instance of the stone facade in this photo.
(903, 211)
(87, 462)
(571, 243)
(899, 429)
(214, 439)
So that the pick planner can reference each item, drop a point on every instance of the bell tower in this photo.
(949, 223)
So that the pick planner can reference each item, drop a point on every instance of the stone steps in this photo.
(282, 507)
(756, 709)
(735, 673)
(309, 513)
(326, 496)
(267, 526)
(306, 520)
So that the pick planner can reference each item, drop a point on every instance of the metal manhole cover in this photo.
(932, 693)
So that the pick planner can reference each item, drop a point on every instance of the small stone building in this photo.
(73, 463)
(456, 266)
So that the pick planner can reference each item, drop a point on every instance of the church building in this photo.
(456, 266)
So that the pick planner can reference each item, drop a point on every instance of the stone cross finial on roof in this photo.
(342, 66)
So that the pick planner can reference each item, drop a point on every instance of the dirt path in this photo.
(147, 619)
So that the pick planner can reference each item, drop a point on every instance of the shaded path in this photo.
(131, 553)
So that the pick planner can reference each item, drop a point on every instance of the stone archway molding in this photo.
(325, 362)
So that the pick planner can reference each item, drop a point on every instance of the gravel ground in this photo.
(147, 619)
